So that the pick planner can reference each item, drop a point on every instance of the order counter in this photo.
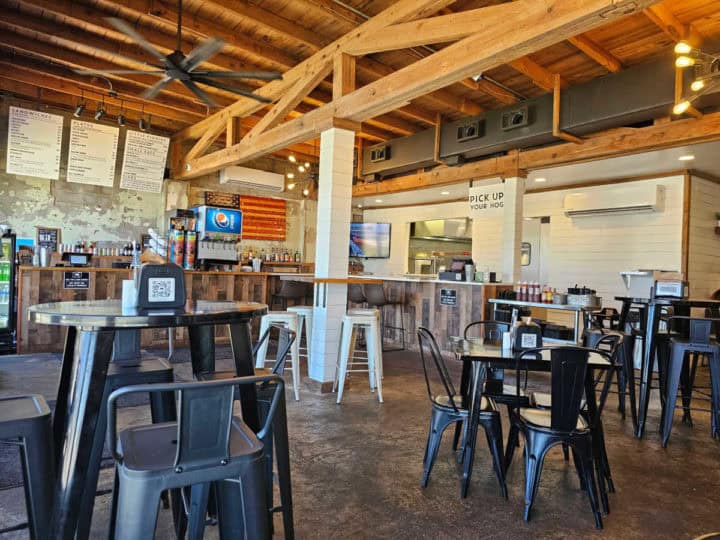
(444, 307)
(40, 285)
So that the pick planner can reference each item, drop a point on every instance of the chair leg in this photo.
(375, 370)
(345, 350)
(512, 443)
(114, 504)
(535, 450)
(577, 460)
(586, 454)
(199, 495)
(137, 510)
(38, 467)
(622, 386)
(714, 360)
(672, 382)
(295, 353)
(493, 432)
(686, 387)
(439, 421)
(566, 452)
(262, 351)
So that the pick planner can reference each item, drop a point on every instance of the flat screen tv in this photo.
(370, 240)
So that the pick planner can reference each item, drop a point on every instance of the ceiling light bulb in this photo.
(79, 110)
(291, 186)
(684, 61)
(541, 179)
(698, 85)
(301, 168)
(682, 48)
(378, 200)
(290, 175)
(121, 120)
(307, 165)
(688, 157)
(681, 107)
(306, 192)
(359, 205)
(444, 193)
(292, 158)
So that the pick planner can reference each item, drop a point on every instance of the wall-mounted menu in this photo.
(34, 143)
(143, 166)
(92, 154)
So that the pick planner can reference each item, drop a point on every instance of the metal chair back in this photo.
(356, 294)
(492, 331)
(375, 294)
(434, 366)
(293, 290)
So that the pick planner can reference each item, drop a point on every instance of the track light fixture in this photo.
(706, 68)
(80, 106)
(100, 112)
(121, 116)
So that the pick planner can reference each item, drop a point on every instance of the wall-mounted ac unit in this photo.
(252, 178)
(626, 198)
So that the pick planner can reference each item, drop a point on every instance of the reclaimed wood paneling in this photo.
(263, 218)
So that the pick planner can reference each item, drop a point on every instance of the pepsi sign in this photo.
(220, 220)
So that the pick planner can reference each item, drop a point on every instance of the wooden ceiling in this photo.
(41, 41)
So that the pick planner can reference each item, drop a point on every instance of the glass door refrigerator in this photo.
(7, 293)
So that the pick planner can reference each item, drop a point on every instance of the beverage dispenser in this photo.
(218, 232)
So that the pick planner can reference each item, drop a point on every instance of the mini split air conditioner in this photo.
(626, 198)
(252, 178)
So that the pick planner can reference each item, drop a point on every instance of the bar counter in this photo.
(40, 285)
(421, 305)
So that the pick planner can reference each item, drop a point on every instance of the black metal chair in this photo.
(207, 444)
(563, 423)
(375, 297)
(447, 409)
(290, 290)
(699, 341)
(25, 421)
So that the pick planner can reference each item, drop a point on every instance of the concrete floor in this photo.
(356, 471)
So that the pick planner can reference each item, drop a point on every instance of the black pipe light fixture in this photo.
(100, 111)
(80, 106)
(706, 69)
(121, 116)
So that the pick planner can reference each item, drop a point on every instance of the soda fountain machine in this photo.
(218, 232)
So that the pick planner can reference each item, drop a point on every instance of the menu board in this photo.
(34, 142)
(48, 237)
(143, 166)
(92, 153)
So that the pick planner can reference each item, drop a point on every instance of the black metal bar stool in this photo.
(676, 370)
(25, 421)
(207, 444)
(375, 297)
(290, 290)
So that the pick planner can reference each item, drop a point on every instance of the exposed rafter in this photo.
(543, 23)
(597, 53)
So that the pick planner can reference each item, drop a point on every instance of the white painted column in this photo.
(334, 213)
(512, 229)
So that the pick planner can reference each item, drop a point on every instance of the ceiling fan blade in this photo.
(155, 89)
(202, 52)
(118, 72)
(262, 75)
(199, 92)
(215, 84)
(129, 31)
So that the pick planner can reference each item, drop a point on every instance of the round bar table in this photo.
(88, 349)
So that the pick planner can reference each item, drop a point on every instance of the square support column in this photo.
(512, 229)
(334, 214)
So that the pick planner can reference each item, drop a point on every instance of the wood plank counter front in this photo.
(421, 306)
(39, 285)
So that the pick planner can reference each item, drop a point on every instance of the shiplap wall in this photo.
(704, 243)
(589, 250)
(594, 250)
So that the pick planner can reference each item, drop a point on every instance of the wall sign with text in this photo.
(76, 280)
(485, 201)
(448, 297)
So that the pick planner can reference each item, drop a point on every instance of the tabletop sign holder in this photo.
(161, 286)
(528, 335)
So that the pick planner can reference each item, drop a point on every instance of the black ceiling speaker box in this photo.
(400, 155)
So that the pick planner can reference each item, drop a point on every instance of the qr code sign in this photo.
(161, 290)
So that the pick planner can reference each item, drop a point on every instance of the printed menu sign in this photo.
(48, 238)
(92, 153)
(34, 143)
(143, 166)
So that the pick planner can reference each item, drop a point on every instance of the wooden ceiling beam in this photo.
(398, 11)
(664, 19)
(474, 54)
(86, 60)
(540, 76)
(614, 143)
(597, 53)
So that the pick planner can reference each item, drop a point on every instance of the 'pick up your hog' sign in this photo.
(487, 201)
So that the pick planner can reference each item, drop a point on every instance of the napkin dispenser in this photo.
(527, 335)
(674, 288)
(161, 286)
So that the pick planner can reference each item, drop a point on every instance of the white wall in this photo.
(589, 250)
(704, 243)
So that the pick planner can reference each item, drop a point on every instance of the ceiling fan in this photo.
(177, 66)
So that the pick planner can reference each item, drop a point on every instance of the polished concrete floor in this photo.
(356, 471)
